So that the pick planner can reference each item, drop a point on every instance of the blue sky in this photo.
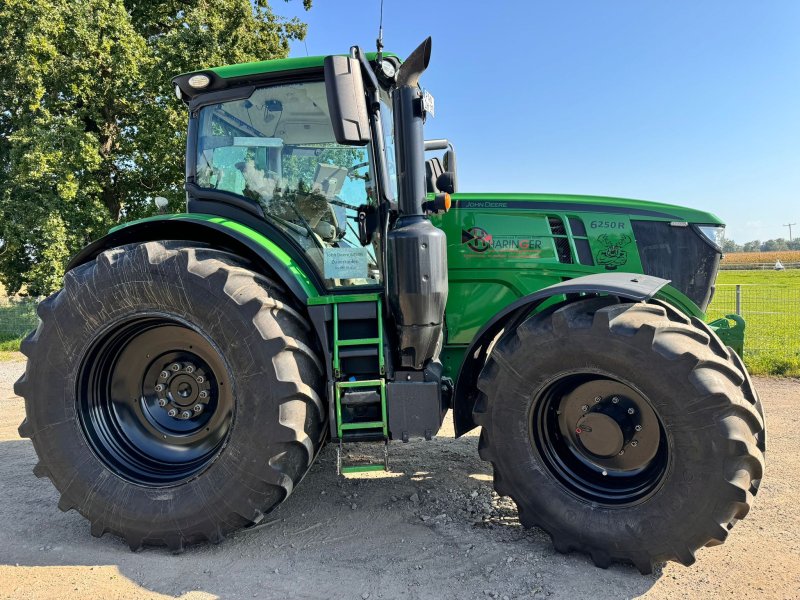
(689, 102)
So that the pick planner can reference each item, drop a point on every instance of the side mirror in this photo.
(450, 167)
(446, 182)
(346, 100)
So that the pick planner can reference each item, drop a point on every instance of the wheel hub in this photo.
(183, 390)
(153, 400)
(600, 437)
(609, 425)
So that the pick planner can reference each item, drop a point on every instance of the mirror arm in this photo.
(373, 93)
(378, 149)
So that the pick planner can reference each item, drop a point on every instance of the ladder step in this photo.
(361, 383)
(356, 352)
(361, 468)
(360, 398)
(365, 425)
(360, 342)
(362, 436)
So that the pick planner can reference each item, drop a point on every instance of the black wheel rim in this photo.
(154, 401)
(600, 438)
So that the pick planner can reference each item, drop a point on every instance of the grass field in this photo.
(770, 304)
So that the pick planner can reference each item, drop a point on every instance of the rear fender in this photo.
(629, 286)
(218, 232)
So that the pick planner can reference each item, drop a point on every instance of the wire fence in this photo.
(758, 266)
(771, 314)
(17, 318)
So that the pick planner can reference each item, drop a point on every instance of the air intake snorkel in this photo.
(417, 251)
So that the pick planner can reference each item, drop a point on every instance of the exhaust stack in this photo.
(417, 251)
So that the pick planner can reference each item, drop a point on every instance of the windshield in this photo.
(277, 148)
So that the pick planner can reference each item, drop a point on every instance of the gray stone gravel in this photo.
(433, 528)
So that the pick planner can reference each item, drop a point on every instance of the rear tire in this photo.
(172, 395)
(623, 371)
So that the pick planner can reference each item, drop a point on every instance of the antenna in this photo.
(789, 225)
(379, 41)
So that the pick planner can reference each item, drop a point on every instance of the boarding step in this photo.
(361, 467)
(361, 417)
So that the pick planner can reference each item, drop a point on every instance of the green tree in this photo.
(730, 246)
(90, 129)
(774, 245)
(754, 246)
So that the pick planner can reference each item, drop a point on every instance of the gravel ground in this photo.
(433, 528)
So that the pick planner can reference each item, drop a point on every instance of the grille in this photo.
(562, 243)
(678, 254)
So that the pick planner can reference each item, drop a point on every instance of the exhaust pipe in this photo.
(417, 251)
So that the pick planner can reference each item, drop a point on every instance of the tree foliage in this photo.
(775, 245)
(90, 128)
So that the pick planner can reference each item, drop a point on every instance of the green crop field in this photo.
(770, 304)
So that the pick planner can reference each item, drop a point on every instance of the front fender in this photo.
(630, 286)
(218, 232)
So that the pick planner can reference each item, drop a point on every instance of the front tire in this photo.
(626, 431)
(171, 394)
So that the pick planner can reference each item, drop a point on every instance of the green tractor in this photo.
(328, 283)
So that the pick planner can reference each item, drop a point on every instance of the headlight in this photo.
(198, 82)
(713, 234)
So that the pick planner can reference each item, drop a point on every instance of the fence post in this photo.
(739, 299)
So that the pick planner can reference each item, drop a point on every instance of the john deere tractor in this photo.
(327, 282)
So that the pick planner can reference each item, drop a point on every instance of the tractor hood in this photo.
(635, 209)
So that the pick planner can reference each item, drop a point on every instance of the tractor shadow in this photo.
(432, 528)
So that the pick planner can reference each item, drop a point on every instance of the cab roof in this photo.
(241, 74)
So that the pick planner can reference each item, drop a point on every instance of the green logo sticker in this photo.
(613, 253)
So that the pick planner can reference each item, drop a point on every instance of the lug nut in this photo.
(585, 407)
(621, 452)
(635, 443)
(615, 400)
(197, 408)
(189, 369)
(172, 412)
(597, 399)
(200, 379)
(186, 414)
(159, 388)
(638, 428)
(162, 402)
(175, 367)
(631, 411)
(203, 394)
(164, 374)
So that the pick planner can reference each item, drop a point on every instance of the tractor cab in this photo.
(275, 151)
(329, 160)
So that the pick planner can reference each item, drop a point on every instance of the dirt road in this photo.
(431, 529)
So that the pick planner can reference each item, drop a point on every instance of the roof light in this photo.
(388, 69)
(198, 82)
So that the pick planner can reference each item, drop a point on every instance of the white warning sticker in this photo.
(345, 263)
